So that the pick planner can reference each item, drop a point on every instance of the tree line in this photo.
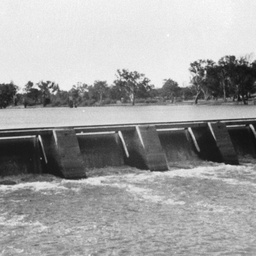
(230, 78)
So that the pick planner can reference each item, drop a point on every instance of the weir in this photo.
(70, 152)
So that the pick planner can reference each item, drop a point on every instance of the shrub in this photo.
(151, 100)
(106, 101)
(90, 102)
(140, 100)
(56, 103)
(178, 99)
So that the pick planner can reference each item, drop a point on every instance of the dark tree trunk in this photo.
(224, 93)
(197, 96)
(244, 99)
(133, 101)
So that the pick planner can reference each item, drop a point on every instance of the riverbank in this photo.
(166, 103)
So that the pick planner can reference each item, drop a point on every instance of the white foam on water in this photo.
(15, 221)
(149, 195)
(34, 186)
(201, 171)
(133, 183)
(145, 194)
(139, 192)
(126, 182)
(90, 181)
(225, 173)
(173, 202)
(19, 221)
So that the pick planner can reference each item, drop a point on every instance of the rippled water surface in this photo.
(204, 210)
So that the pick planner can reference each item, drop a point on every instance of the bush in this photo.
(140, 101)
(46, 101)
(146, 101)
(90, 102)
(56, 104)
(30, 102)
(107, 101)
(178, 99)
(151, 100)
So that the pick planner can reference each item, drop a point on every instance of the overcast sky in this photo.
(70, 41)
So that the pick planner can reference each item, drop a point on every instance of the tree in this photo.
(170, 89)
(28, 86)
(238, 76)
(117, 93)
(198, 72)
(61, 98)
(187, 92)
(7, 93)
(155, 92)
(144, 92)
(77, 94)
(132, 82)
(100, 89)
(47, 88)
(245, 78)
(227, 66)
(230, 77)
(31, 93)
(216, 81)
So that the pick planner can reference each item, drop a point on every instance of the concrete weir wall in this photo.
(69, 152)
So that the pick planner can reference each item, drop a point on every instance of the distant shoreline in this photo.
(188, 102)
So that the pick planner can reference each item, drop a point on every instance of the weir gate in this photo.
(69, 152)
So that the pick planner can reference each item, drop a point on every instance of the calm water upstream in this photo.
(40, 117)
(204, 209)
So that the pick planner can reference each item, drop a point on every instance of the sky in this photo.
(71, 41)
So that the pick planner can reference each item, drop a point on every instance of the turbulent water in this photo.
(205, 210)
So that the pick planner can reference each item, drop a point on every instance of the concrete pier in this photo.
(69, 158)
(145, 149)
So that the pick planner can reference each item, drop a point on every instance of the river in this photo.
(203, 209)
(45, 117)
